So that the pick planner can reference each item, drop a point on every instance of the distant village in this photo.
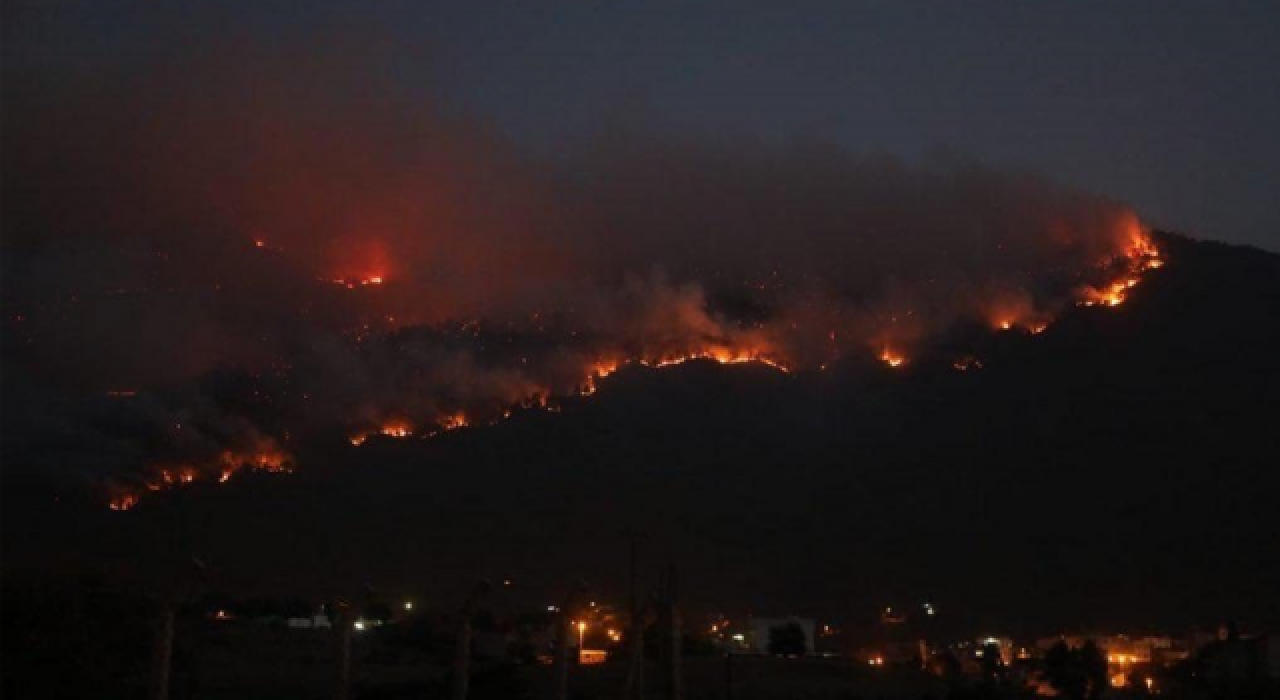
(901, 645)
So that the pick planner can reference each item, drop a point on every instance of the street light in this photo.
(582, 631)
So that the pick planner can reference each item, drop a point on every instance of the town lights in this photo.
(408, 605)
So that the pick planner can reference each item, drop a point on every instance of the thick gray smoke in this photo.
(233, 251)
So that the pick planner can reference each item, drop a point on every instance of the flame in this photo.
(1141, 254)
(1137, 256)
(356, 282)
(124, 502)
(453, 422)
(891, 358)
(392, 428)
(396, 429)
(721, 355)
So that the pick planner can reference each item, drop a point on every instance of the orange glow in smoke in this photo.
(1140, 255)
(453, 422)
(1137, 256)
(124, 502)
(396, 429)
(891, 358)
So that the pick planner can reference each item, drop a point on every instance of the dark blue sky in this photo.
(1171, 106)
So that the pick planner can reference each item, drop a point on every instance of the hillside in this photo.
(1119, 467)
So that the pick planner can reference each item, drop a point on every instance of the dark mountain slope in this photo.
(1117, 469)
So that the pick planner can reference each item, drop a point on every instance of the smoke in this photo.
(260, 241)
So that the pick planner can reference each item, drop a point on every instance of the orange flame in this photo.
(396, 429)
(891, 358)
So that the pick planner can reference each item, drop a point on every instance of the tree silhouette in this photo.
(992, 663)
(1063, 672)
(1093, 666)
(1077, 673)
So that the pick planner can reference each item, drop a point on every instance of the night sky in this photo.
(1169, 106)
(901, 298)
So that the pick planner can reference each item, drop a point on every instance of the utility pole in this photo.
(162, 652)
(673, 610)
(179, 588)
(343, 621)
(636, 623)
(633, 541)
(563, 635)
(728, 674)
(635, 673)
(462, 652)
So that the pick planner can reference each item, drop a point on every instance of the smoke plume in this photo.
(207, 260)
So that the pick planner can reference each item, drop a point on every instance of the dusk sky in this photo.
(836, 309)
(1169, 106)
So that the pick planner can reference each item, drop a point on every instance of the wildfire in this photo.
(721, 355)
(1006, 314)
(124, 502)
(1139, 256)
(891, 358)
(453, 422)
(267, 459)
(396, 429)
(356, 282)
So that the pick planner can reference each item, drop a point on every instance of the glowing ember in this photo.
(966, 363)
(398, 429)
(124, 502)
(457, 420)
(721, 355)
(1123, 272)
(891, 358)
(1140, 255)
(356, 282)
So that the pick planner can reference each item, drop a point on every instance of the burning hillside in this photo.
(261, 265)
(480, 380)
